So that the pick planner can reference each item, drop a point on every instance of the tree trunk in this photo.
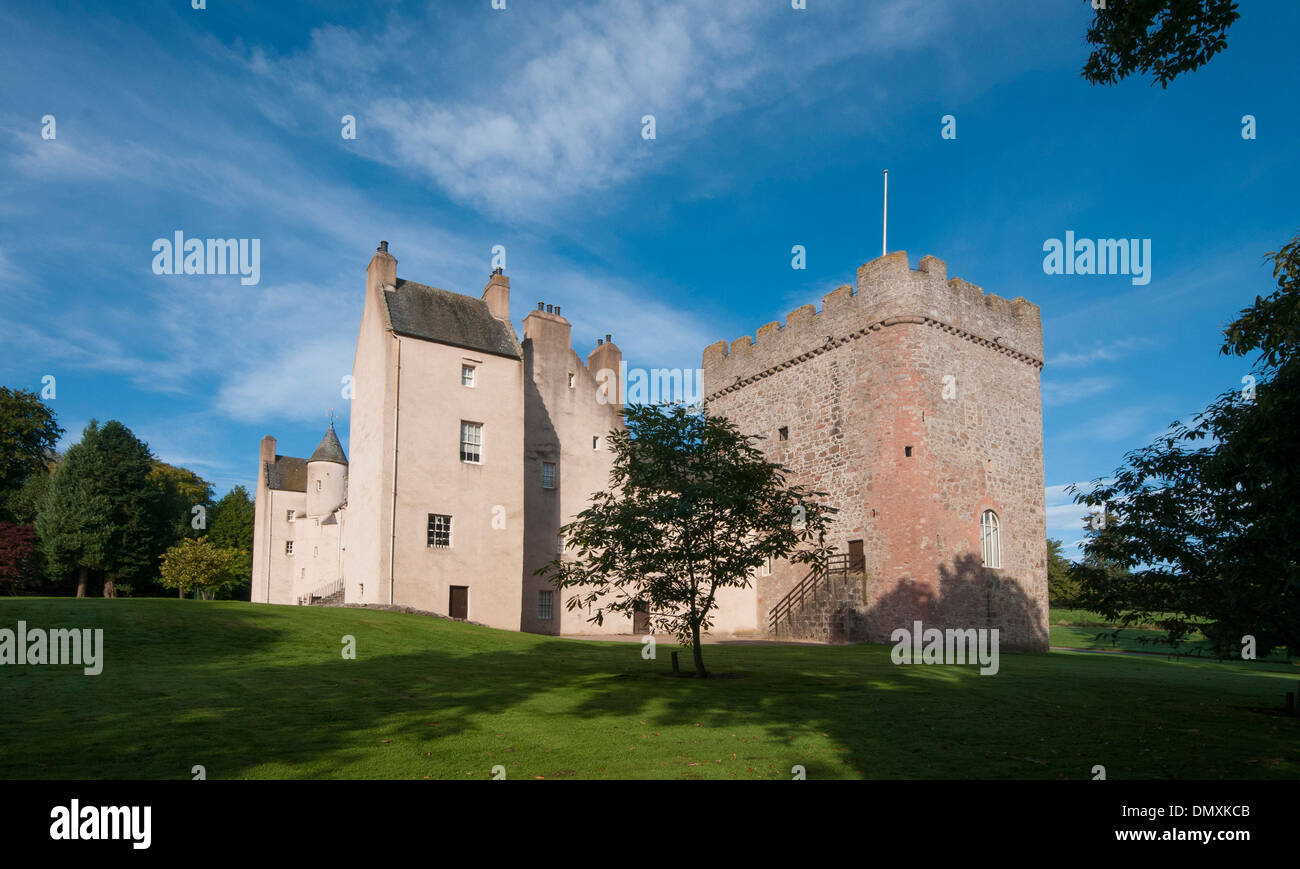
(180, 592)
(110, 590)
(81, 582)
(698, 651)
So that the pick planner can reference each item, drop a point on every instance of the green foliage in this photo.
(1062, 585)
(1205, 516)
(693, 507)
(100, 508)
(1163, 37)
(198, 565)
(28, 434)
(232, 528)
(180, 491)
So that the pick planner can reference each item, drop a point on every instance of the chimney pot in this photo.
(541, 306)
(600, 341)
(557, 310)
(383, 245)
(607, 340)
(548, 309)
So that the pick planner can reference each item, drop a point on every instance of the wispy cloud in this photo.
(1107, 351)
(1056, 393)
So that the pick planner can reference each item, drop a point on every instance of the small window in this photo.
(467, 375)
(783, 433)
(288, 547)
(595, 442)
(907, 452)
(303, 575)
(471, 442)
(766, 569)
(990, 540)
(548, 475)
(559, 544)
(571, 381)
(544, 603)
(318, 485)
(439, 531)
(290, 515)
(315, 552)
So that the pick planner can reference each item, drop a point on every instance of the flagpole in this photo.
(884, 223)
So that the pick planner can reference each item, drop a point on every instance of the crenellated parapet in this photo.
(888, 293)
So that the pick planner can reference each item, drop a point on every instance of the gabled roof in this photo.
(426, 312)
(330, 450)
(286, 473)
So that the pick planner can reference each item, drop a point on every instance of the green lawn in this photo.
(1081, 629)
(252, 691)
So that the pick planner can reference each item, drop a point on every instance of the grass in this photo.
(1081, 629)
(254, 691)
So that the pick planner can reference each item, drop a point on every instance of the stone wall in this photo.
(915, 404)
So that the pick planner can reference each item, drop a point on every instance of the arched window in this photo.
(990, 542)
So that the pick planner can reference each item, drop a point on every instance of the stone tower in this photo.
(914, 401)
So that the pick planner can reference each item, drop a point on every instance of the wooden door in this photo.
(857, 561)
(458, 605)
(640, 618)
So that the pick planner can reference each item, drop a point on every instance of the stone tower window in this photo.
(595, 442)
(907, 451)
(571, 381)
(990, 540)
(783, 433)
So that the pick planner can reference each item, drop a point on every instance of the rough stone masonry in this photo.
(915, 402)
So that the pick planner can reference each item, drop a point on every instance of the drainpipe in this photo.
(392, 519)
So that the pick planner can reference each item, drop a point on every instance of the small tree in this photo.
(232, 528)
(198, 565)
(693, 507)
(18, 556)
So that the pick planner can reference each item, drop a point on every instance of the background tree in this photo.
(232, 528)
(18, 557)
(1062, 585)
(693, 507)
(1163, 37)
(1205, 517)
(197, 565)
(100, 511)
(180, 491)
(28, 435)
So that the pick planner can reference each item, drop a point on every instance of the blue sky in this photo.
(478, 127)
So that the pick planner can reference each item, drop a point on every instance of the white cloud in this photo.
(1056, 393)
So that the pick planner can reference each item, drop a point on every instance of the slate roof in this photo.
(330, 450)
(287, 473)
(449, 318)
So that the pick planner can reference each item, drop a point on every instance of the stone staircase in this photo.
(330, 594)
(826, 605)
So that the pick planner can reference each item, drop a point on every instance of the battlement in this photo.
(888, 293)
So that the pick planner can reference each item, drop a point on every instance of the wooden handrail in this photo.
(785, 607)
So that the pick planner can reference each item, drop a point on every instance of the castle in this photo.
(911, 399)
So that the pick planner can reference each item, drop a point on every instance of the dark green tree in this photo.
(1163, 37)
(1062, 585)
(180, 491)
(232, 528)
(28, 435)
(693, 507)
(100, 510)
(1202, 533)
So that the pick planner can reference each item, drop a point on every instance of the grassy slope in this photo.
(254, 691)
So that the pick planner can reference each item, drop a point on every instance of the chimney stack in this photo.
(607, 356)
(497, 295)
(382, 270)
